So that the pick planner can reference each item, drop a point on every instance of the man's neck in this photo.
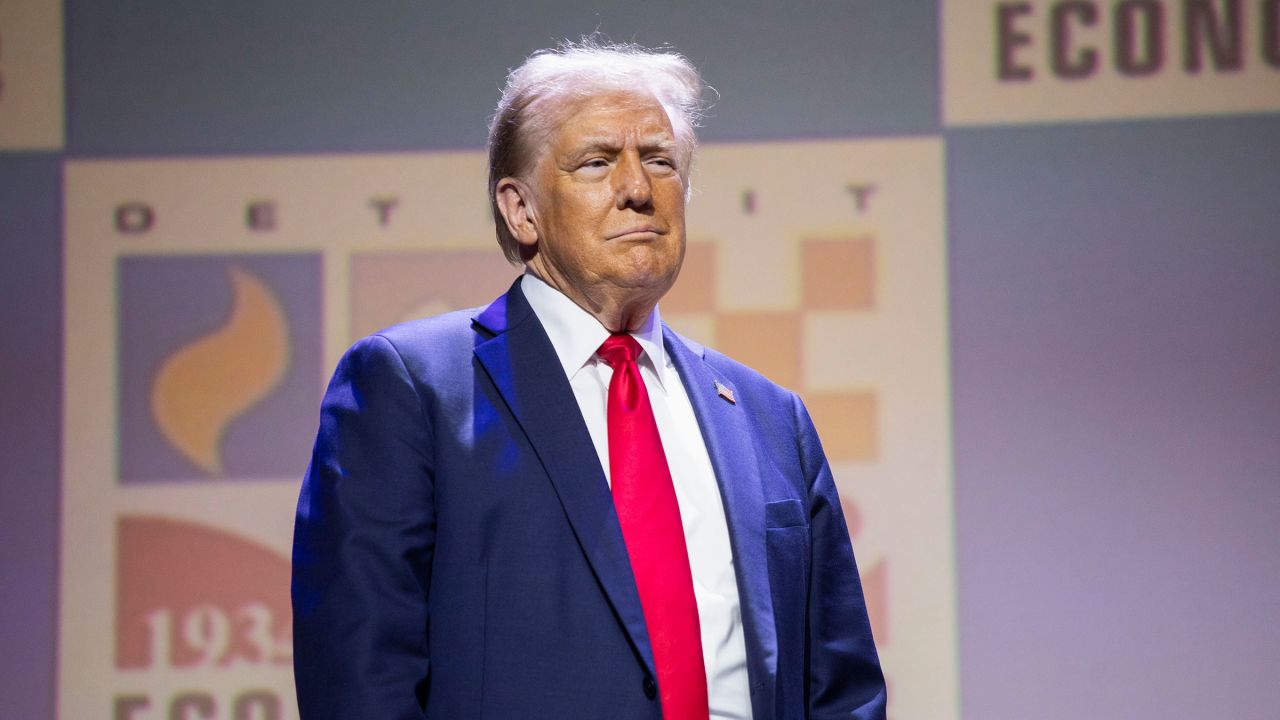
(617, 309)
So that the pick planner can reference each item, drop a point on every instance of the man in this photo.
(554, 506)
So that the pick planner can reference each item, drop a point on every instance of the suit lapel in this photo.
(729, 441)
(522, 364)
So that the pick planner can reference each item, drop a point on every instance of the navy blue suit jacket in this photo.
(457, 553)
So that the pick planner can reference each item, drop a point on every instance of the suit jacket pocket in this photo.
(787, 540)
(784, 514)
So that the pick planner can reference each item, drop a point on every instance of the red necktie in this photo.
(650, 519)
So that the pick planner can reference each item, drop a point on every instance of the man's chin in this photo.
(651, 285)
(643, 266)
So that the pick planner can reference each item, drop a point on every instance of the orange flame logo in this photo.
(210, 382)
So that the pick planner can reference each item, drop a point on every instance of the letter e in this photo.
(1008, 39)
(260, 215)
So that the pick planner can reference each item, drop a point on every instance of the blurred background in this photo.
(1022, 260)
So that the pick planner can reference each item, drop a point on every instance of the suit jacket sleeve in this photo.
(845, 680)
(363, 544)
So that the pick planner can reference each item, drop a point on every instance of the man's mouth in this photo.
(638, 232)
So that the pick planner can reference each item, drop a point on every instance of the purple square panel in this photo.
(219, 366)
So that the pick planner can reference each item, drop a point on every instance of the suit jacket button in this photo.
(650, 688)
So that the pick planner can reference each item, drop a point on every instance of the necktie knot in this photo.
(619, 349)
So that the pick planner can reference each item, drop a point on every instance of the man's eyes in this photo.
(657, 161)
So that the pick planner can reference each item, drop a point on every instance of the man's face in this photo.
(608, 200)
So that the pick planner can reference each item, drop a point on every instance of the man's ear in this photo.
(515, 202)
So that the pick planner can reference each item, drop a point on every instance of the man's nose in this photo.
(631, 183)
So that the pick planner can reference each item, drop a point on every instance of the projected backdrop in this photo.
(233, 286)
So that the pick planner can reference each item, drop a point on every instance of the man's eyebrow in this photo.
(597, 144)
(663, 142)
(612, 144)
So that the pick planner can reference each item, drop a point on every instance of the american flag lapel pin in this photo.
(725, 392)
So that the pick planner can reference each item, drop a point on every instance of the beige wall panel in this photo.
(1050, 60)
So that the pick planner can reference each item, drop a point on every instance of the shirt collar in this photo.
(576, 334)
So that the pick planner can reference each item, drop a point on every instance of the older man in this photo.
(554, 506)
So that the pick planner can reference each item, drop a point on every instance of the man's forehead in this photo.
(577, 123)
(609, 116)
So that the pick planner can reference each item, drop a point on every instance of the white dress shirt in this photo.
(576, 335)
